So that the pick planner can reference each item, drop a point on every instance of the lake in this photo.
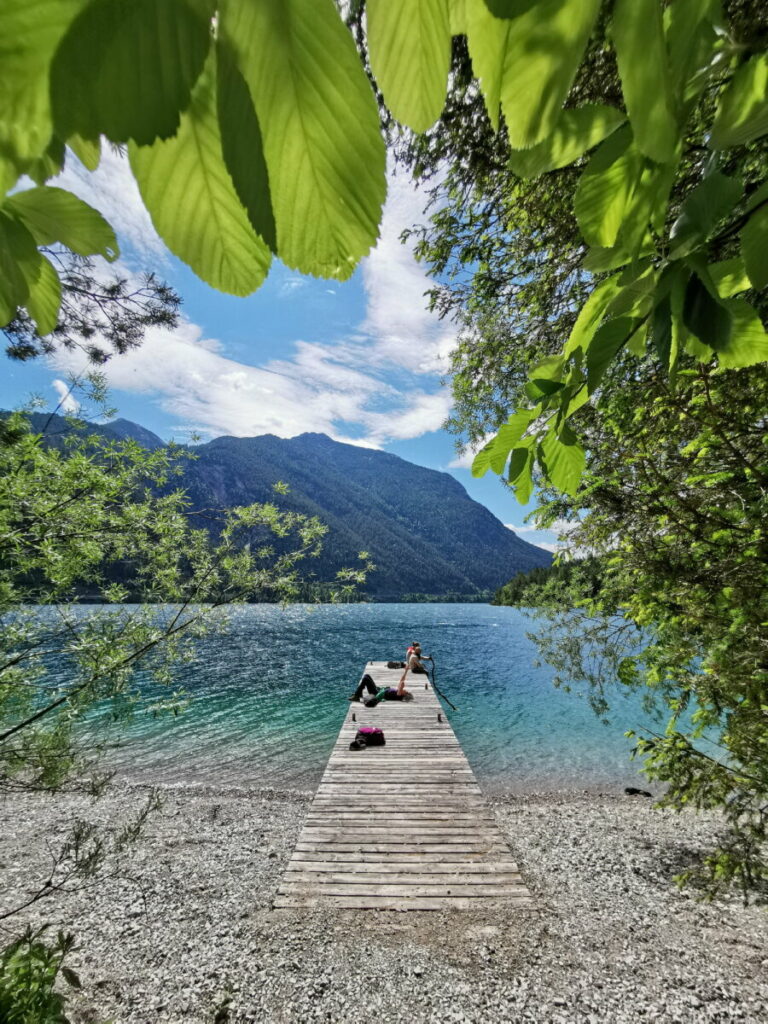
(268, 698)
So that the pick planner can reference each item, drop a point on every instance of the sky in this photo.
(362, 361)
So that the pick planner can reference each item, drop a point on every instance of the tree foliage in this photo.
(68, 516)
(101, 315)
(253, 130)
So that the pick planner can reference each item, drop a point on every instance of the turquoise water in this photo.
(268, 698)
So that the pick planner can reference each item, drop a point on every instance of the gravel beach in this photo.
(184, 931)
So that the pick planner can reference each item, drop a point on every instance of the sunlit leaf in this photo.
(528, 63)
(643, 68)
(564, 463)
(409, 45)
(754, 247)
(30, 31)
(242, 146)
(661, 330)
(125, 68)
(742, 114)
(509, 8)
(192, 201)
(691, 38)
(44, 299)
(591, 314)
(508, 436)
(87, 151)
(482, 461)
(18, 258)
(606, 187)
(49, 164)
(55, 215)
(730, 277)
(606, 344)
(521, 464)
(702, 209)
(748, 341)
(320, 128)
(576, 132)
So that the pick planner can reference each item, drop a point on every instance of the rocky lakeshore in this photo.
(183, 929)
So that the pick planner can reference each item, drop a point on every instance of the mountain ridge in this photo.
(425, 534)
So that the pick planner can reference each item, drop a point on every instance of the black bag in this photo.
(395, 664)
(371, 736)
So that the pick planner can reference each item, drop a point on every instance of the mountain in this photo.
(423, 531)
(421, 528)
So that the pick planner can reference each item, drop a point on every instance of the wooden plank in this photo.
(402, 826)
(400, 903)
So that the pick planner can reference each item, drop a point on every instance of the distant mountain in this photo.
(423, 531)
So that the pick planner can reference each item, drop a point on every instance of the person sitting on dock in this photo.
(414, 664)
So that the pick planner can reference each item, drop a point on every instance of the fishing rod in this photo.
(431, 677)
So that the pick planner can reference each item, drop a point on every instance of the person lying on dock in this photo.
(414, 664)
(378, 693)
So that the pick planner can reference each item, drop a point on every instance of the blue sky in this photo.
(361, 361)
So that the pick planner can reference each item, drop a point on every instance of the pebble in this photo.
(185, 929)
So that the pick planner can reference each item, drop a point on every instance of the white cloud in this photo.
(67, 402)
(191, 379)
(359, 386)
(113, 191)
(398, 321)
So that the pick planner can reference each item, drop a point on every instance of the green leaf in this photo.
(521, 464)
(30, 31)
(543, 388)
(320, 129)
(48, 164)
(729, 277)
(705, 315)
(754, 247)
(508, 436)
(550, 368)
(409, 44)
(126, 68)
(87, 151)
(691, 39)
(71, 977)
(742, 113)
(482, 461)
(55, 215)
(576, 132)
(509, 8)
(643, 68)
(606, 187)
(661, 331)
(193, 204)
(529, 62)
(18, 258)
(634, 296)
(242, 146)
(44, 299)
(518, 462)
(605, 345)
(748, 341)
(563, 463)
(591, 314)
(702, 209)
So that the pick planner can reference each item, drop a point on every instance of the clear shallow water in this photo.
(268, 698)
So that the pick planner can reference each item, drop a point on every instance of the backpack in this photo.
(395, 664)
(367, 736)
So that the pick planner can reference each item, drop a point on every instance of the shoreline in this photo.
(186, 921)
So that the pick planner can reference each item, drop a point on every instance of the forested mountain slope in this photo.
(421, 528)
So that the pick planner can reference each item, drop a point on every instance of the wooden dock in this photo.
(404, 826)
